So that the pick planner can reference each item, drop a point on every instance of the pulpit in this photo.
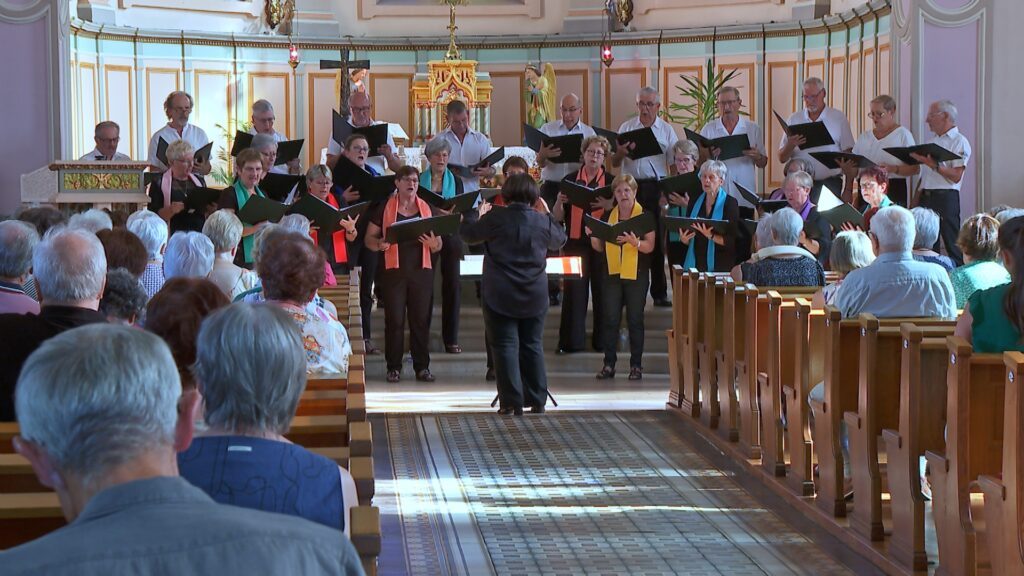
(77, 186)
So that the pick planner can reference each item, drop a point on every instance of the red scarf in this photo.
(390, 216)
(575, 212)
(338, 238)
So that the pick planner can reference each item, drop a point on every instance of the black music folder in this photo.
(457, 205)
(815, 133)
(467, 171)
(682, 184)
(729, 146)
(371, 188)
(645, 143)
(686, 223)
(843, 214)
(570, 145)
(201, 156)
(199, 198)
(288, 150)
(411, 230)
(583, 196)
(280, 186)
(829, 159)
(937, 152)
(638, 225)
(259, 209)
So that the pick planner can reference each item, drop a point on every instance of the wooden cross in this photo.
(346, 66)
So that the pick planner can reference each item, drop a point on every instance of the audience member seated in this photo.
(42, 218)
(785, 263)
(125, 250)
(251, 371)
(291, 268)
(152, 230)
(851, 250)
(224, 230)
(978, 240)
(1003, 216)
(101, 416)
(175, 314)
(896, 284)
(123, 297)
(92, 220)
(189, 255)
(926, 224)
(70, 270)
(17, 241)
(301, 224)
(993, 318)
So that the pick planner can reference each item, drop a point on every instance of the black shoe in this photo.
(662, 302)
(537, 409)
(425, 375)
(606, 373)
(490, 376)
(636, 373)
(564, 351)
(554, 300)
(505, 410)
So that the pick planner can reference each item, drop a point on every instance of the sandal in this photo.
(636, 373)
(425, 375)
(394, 376)
(369, 348)
(453, 349)
(606, 373)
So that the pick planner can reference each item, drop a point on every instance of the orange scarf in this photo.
(390, 216)
(575, 212)
(337, 239)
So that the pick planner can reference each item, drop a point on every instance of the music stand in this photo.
(472, 267)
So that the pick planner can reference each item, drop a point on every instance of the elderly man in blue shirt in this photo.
(896, 285)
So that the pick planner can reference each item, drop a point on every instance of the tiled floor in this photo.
(574, 493)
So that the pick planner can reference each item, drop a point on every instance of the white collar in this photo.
(952, 133)
(772, 251)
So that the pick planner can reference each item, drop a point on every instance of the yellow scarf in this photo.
(622, 260)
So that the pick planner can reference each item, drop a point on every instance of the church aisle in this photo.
(575, 493)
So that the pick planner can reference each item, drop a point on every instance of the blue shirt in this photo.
(897, 286)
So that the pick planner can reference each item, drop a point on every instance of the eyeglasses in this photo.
(113, 140)
(319, 183)
(181, 108)
(410, 179)
(360, 108)
(813, 96)
(874, 114)
(595, 152)
(359, 148)
(648, 104)
(728, 102)
(570, 110)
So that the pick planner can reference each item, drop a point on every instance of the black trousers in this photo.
(449, 259)
(368, 260)
(407, 294)
(549, 192)
(633, 295)
(518, 358)
(946, 203)
(897, 191)
(675, 252)
(649, 197)
(572, 327)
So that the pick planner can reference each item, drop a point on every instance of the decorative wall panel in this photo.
(120, 106)
(506, 100)
(159, 83)
(392, 98)
(782, 93)
(620, 88)
(275, 87)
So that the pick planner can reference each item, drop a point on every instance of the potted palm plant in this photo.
(701, 108)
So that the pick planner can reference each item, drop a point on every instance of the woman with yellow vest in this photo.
(628, 266)
(407, 280)
(249, 171)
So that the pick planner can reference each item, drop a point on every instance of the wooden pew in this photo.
(808, 350)
(1004, 496)
(709, 345)
(328, 402)
(755, 309)
(878, 407)
(975, 392)
(688, 392)
(922, 423)
(733, 341)
(675, 369)
(769, 385)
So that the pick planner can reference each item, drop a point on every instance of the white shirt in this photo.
(96, 156)
(192, 134)
(838, 127)
(652, 166)
(956, 143)
(472, 149)
(278, 137)
(872, 148)
(742, 169)
(555, 172)
(379, 163)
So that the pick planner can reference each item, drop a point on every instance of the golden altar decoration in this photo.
(448, 80)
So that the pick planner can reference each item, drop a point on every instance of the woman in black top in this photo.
(514, 289)
(407, 279)
(629, 262)
(706, 249)
(169, 191)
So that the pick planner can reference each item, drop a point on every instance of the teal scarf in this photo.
(447, 183)
(716, 214)
(241, 197)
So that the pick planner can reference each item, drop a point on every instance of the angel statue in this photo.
(540, 95)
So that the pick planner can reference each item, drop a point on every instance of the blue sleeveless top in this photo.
(266, 475)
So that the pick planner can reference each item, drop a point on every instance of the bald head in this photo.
(359, 103)
(571, 110)
(70, 268)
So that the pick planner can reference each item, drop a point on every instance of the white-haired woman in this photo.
(926, 238)
(708, 250)
(189, 255)
(783, 268)
(170, 190)
(251, 370)
(438, 178)
(224, 230)
(152, 230)
(851, 250)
